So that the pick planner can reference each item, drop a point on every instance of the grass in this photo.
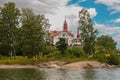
(71, 60)
(25, 60)
(18, 60)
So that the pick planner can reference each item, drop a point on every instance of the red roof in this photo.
(70, 33)
(54, 33)
(65, 29)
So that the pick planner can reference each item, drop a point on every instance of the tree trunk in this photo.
(14, 54)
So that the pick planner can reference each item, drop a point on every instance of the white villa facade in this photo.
(66, 34)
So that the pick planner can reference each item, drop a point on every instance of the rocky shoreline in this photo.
(75, 65)
(64, 65)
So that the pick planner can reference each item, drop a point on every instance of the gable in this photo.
(64, 34)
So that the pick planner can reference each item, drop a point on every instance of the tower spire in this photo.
(65, 26)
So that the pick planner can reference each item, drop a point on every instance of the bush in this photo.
(114, 59)
(49, 50)
(100, 49)
(54, 54)
(100, 57)
(76, 52)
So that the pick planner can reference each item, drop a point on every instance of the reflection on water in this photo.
(21, 74)
(58, 74)
(73, 74)
(62, 74)
(89, 74)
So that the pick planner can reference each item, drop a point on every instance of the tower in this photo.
(65, 26)
(78, 34)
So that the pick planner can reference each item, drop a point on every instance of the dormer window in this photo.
(63, 35)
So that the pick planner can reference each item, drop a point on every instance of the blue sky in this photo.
(104, 13)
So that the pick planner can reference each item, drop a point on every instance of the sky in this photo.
(104, 13)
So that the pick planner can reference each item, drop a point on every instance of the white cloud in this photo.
(117, 20)
(112, 4)
(55, 11)
(40, 6)
(105, 30)
(92, 12)
(117, 38)
(82, 0)
(71, 14)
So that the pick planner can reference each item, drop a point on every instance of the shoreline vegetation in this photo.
(60, 65)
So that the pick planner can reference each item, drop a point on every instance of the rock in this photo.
(51, 64)
(88, 66)
(85, 65)
(75, 65)
(113, 66)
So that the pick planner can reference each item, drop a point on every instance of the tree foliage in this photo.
(34, 32)
(9, 19)
(24, 33)
(88, 33)
(100, 49)
(61, 45)
(107, 43)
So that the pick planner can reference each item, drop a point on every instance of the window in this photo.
(63, 35)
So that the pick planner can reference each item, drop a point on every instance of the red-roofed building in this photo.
(65, 33)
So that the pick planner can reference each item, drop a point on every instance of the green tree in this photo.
(61, 45)
(4, 49)
(34, 32)
(88, 33)
(107, 43)
(9, 20)
(19, 42)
